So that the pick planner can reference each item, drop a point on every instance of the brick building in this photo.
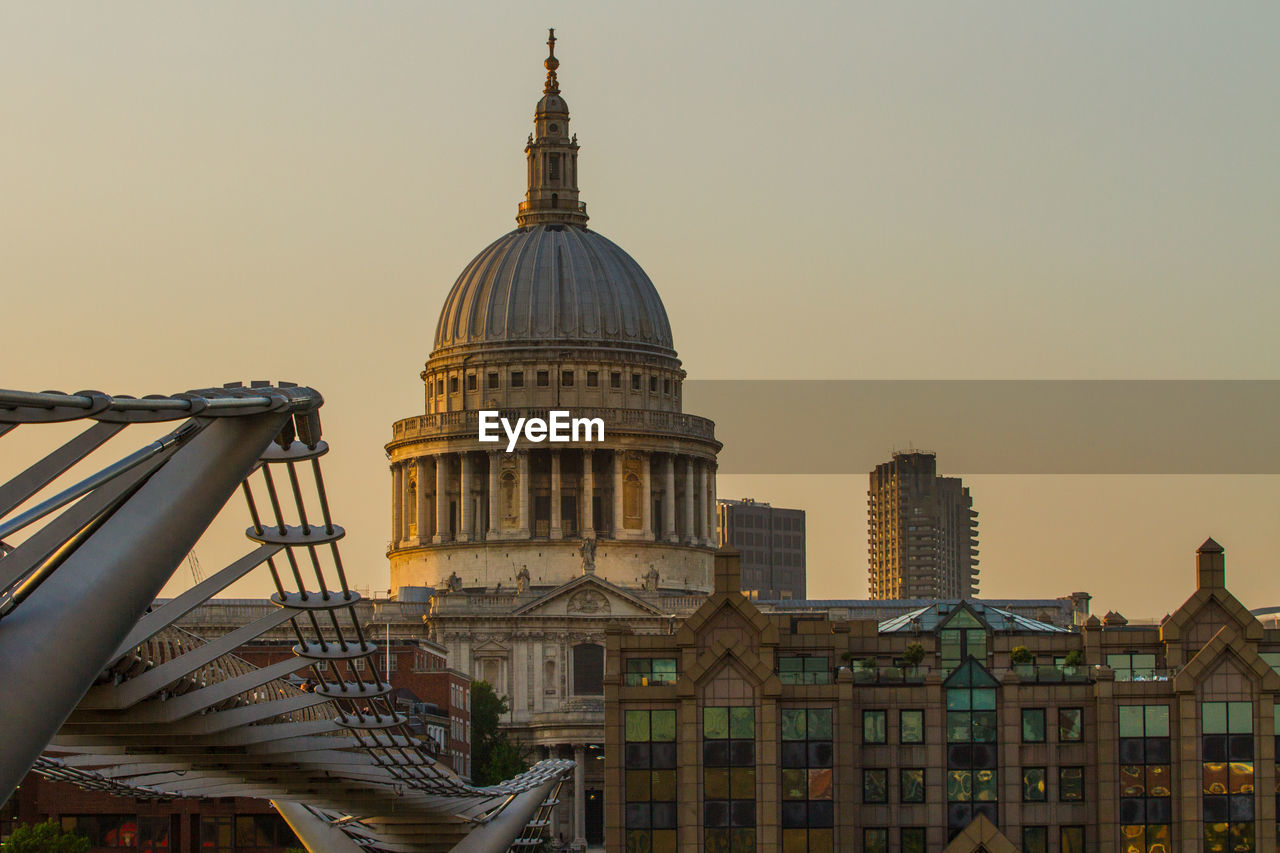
(958, 726)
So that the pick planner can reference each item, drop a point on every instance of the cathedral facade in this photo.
(527, 555)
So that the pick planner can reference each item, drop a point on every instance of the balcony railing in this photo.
(1053, 674)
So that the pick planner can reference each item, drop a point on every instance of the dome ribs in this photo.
(557, 284)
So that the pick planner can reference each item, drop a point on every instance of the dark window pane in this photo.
(1033, 725)
(715, 813)
(794, 754)
(820, 754)
(637, 815)
(715, 753)
(1158, 751)
(875, 786)
(636, 755)
(1132, 810)
(1131, 751)
(664, 816)
(1035, 839)
(663, 756)
(795, 815)
(873, 727)
(742, 753)
(1070, 724)
(1240, 747)
(743, 812)
(821, 813)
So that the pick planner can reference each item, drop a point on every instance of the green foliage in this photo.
(1075, 657)
(1021, 656)
(913, 655)
(46, 837)
(494, 756)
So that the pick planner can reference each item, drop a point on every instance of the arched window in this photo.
(588, 669)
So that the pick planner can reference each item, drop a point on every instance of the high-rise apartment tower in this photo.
(922, 531)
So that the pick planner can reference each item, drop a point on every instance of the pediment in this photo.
(490, 647)
(588, 596)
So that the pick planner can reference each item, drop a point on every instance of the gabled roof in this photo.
(933, 616)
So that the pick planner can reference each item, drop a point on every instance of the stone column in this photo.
(523, 485)
(579, 797)
(555, 495)
(494, 488)
(618, 521)
(397, 502)
(712, 538)
(690, 533)
(588, 496)
(466, 509)
(669, 500)
(424, 516)
(442, 499)
(703, 536)
(646, 496)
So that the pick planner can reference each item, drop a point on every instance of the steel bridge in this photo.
(103, 690)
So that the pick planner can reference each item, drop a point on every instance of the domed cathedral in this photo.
(528, 557)
(553, 316)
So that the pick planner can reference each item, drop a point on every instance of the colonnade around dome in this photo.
(576, 505)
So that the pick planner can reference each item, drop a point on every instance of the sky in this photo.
(202, 193)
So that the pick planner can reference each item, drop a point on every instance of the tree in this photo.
(913, 655)
(46, 837)
(1075, 657)
(494, 756)
(1021, 656)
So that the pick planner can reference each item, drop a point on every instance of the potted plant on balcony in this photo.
(1072, 662)
(913, 656)
(1023, 661)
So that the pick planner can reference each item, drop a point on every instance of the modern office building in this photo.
(770, 541)
(957, 727)
(922, 531)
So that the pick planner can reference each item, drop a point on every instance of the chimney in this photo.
(1211, 566)
(728, 571)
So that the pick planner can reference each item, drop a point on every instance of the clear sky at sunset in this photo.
(194, 194)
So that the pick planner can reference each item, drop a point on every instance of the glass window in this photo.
(653, 384)
(1033, 725)
(808, 814)
(1035, 839)
(875, 785)
(543, 378)
(215, 834)
(643, 672)
(588, 669)
(492, 380)
(1070, 724)
(913, 839)
(875, 840)
(873, 726)
(911, 726)
(804, 669)
(1071, 784)
(649, 779)
(728, 779)
(517, 379)
(635, 382)
(1071, 840)
(615, 379)
(1033, 784)
(453, 385)
(471, 382)
(593, 378)
(1228, 776)
(912, 785)
(566, 378)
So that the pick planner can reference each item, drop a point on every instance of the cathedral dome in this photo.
(556, 284)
